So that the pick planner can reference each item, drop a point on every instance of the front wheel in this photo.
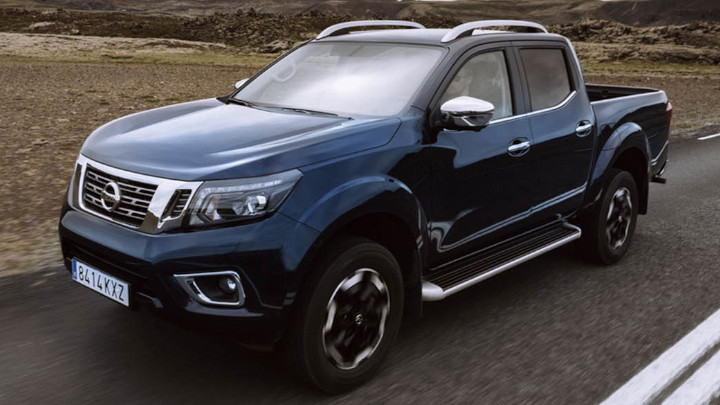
(609, 230)
(349, 317)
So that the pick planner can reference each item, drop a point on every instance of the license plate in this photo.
(105, 284)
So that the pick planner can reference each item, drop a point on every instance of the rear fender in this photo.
(627, 136)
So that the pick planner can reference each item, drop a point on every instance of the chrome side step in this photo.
(468, 271)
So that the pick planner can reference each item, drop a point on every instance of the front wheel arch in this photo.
(386, 229)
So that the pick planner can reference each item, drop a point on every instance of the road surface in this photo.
(554, 330)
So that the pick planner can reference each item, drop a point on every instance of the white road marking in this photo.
(708, 137)
(701, 387)
(654, 378)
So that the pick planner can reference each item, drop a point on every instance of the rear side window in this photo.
(547, 77)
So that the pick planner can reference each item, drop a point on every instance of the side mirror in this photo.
(467, 113)
(240, 83)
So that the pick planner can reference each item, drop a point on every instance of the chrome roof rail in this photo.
(344, 28)
(466, 29)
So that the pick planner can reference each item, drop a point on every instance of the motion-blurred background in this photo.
(567, 334)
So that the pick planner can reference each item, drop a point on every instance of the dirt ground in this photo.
(51, 107)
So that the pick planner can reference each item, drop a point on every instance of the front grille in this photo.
(134, 202)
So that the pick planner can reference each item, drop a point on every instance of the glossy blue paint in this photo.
(475, 184)
(208, 139)
(389, 180)
(621, 134)
(624, 124)
(561, 158)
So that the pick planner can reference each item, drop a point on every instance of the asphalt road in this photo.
(554, 330)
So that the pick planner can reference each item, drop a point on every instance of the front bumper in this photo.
(266, 255)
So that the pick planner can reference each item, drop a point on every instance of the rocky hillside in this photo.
(660, 12)
(632, 12)
(272, 33)
(259, 32)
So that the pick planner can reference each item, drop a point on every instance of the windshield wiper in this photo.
(294, 109)
(306, 111)
(242, 102)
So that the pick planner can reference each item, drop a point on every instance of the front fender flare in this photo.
(365, 196)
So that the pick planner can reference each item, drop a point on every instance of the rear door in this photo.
(562, 123)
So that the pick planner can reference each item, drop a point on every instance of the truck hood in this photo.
(208, 139)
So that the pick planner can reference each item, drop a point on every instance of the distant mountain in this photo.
(660, 12)
(640, 12)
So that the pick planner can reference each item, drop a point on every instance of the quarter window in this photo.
(485, 77)
(547, 76)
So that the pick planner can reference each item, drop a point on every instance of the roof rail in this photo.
(344, 28)
(466, 29)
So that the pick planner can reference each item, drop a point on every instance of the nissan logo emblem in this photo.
(110, 197)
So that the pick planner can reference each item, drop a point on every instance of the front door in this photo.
(482, 182)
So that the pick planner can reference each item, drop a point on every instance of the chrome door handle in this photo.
(584, 128)
(517, 148)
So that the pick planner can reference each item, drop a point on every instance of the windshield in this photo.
(345, 78)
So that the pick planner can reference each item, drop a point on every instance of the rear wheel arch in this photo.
(626, 149)
(635, 162)
(608, 229)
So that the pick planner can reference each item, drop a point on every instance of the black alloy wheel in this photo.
(349, 315)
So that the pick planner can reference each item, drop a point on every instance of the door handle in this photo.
(518, 147)
(584, 128)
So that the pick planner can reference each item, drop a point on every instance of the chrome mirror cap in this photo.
(240, 83)
(467, 113)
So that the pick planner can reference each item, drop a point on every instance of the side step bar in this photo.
(470, 270)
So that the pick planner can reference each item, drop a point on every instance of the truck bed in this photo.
(600, 92)
(617, 105)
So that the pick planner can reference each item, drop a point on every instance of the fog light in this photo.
(221, 288)
(227, 285)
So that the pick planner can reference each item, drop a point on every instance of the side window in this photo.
(484, 76)
(547, 77)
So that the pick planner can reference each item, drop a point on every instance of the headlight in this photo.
(230, 200)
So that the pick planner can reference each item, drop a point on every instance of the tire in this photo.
(349, 316)
(607, 235)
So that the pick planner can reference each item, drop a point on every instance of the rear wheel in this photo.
(609, 230)
(349, 320)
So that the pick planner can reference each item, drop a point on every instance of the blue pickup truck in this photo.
(363, 173)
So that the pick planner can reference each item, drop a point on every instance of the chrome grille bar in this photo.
(130, 210)
(125, 186)
(137, 202)
(148, 204)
